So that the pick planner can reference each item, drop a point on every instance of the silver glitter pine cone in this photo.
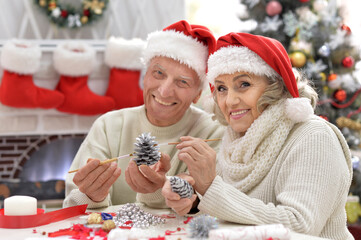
(146, 150)
(181, 186)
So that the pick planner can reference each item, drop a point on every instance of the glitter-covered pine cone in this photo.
(146, 150)
(181, 186)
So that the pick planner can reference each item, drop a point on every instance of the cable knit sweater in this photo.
(304, 187)
(114, 134)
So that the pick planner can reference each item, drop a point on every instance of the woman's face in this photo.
(237, 96)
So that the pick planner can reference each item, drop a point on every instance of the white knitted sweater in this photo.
(281, 172)
(114, 134)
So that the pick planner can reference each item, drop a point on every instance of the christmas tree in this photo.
(324, 48)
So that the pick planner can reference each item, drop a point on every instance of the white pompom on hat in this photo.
(188, 44)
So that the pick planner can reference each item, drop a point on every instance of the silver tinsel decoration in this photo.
(132, 215)
(181, 186)
(200, 226)
(146, 150)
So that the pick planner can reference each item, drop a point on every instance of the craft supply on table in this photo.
(181, 186)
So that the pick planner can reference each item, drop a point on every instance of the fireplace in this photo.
(37, 146)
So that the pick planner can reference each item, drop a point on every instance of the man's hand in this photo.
(181, 206)
(95, 180)
(147, 179)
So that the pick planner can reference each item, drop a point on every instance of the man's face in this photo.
(169, 89)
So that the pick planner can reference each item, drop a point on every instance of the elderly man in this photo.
(175, 76)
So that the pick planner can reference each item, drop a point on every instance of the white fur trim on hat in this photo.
(298, 109)
(123, 53)
(20, 56)
(74, 59)
(178, 46)
(232, 59)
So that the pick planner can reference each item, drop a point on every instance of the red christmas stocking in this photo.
(20, 61)
(74, 61)
(124, 59)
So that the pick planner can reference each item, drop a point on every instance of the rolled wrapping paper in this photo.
(20, 206)
(262, 232)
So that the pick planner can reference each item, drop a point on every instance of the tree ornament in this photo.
(324, 51)
(146, 150)
(181, 186)
(298, 59)
(323, 76)
(332, 77)
(344, 122)
(340, 95)
(348, 61)
(71, 17)
(273, 8)
(346, 28)
(200, 226)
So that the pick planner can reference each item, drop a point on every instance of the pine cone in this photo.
(146, 150)
(181, 186)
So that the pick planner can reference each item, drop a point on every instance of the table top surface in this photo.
(172, 224)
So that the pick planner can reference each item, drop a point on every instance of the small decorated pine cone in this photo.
(146, 150)
(108, 225)
(181, 186)
(94, 218)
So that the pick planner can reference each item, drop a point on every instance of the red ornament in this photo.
(304, 1)
(348, 62)
(346, 28)
(86, 12)
(64, 13)
(273, 8)
(340, 95)
(332, 77)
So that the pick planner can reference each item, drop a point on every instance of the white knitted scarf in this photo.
(244, 161)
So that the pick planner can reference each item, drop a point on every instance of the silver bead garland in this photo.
(146, 150)
(137, 217)
(181, 186)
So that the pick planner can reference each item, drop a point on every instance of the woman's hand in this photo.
(181, 206)
(147, 179)
(95, 180)
(200, 159)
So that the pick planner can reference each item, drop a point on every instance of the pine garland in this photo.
(67, 16)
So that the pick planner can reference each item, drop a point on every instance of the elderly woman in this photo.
(278, 163)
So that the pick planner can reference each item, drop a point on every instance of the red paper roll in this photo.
(40, 218)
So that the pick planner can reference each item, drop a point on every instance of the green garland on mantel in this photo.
(67, 16)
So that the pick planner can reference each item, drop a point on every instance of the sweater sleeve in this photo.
(94, 146)
(311, 184)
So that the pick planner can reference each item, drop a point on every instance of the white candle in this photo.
(20, 206)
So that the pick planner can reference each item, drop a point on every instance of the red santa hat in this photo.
(255, 54)
(261, 56)
(188, 44)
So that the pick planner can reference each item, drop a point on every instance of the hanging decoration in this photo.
(68, 16)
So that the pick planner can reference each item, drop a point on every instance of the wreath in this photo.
(70, 17)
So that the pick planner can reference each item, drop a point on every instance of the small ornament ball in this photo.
(298, 59)
(348, 62)
(324, 51)
(273, 8)
(332, 76)
(340, 95)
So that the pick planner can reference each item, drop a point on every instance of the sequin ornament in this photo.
(200, 226)
(132, 215)
(146, 150)
(181, 186)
